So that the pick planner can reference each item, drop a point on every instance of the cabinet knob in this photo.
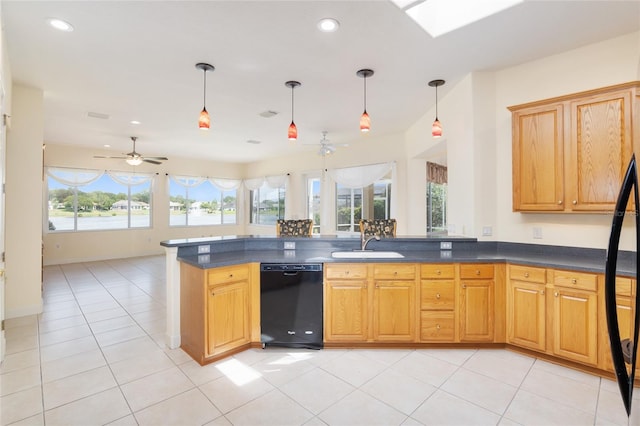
(346, 272)
(213, 293)
(574, 202)
(377, 286)
(526, 275)
(573, 281)
(555, 294)
(464, 286)
(395, 273)
(542, 292)
(437, 295)
(559, 202)
(477, 271)
(438, 272)
(437, 326)
(230, 275)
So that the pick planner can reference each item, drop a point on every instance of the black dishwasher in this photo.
(291, 305)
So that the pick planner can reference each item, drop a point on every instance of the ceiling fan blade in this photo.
(107, 156)
(157, 158)
(146, 160)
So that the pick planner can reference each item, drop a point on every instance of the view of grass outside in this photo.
(313, 200)
(436, 207)
(103, 204)
(203, 204)
(349, 204)
(267, 205)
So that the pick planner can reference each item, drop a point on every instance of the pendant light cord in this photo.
(292, 87)
(204, 92)
(365, 93)
(436, 102)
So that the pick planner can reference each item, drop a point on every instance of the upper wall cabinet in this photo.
(570, 153)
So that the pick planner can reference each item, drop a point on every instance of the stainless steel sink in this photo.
(366, 254)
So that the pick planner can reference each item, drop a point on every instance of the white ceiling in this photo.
(135, 60)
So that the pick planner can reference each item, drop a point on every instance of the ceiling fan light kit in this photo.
(292, 133)
(134, 159)
(436, 127)
(204, 122)
(365, 121)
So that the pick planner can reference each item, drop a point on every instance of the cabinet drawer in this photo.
(436, 271)
(623, 286)
(345, 271)
(439, 326)
(571, 279)
(227, 274)
(527, 273)
(437, 295)
(476, 271)
(394, 271)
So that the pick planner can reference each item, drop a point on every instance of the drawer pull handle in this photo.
(526, 275)
(573, 281)
(437, 295)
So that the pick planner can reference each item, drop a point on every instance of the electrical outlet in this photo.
(445, 245)
(204, 249)
(537, 232)
(204, 258)
(289, 245)
(445, 255)
(487, 231)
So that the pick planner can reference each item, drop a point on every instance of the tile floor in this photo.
(96, 356)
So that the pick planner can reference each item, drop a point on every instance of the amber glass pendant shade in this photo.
(292, 134)
(204, 122)
(365, 122)
(436, 129)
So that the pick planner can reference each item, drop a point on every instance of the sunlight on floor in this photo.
(237, 372)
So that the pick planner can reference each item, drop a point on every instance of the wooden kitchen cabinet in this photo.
(526, 307)
(346, 305)
(570, 153)
(438, 302)
(477, 302)
(370, 302)
(575, 316)
(625, 291)
(216, 310)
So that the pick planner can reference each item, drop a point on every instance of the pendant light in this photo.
(204, 122)
(292, 133)
(365, 121)
(436, 128)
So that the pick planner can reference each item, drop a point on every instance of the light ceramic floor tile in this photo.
(569, 373)
(19, 380)
(446, 409)
(220, 421)
(97, 409)
(64, 335)
(452, 356)
(574, 393)
(129, 349)
(120, 335)
(60, 305)
(425, 368)
(280, 369)
(154, 388)
(611, 408)
(63, 313)
(386, 356)
(37, 420)
(129, 420)
(480, 390)
(21, 344)
(20, 360)
(316, 390)
(358, 408)
(530, 409)
(78, 386)
(178, 356)
(20, 405)
(65, 349)
(504, 366)
(273, 408)
(71, 365)
(200, 374)
(398, 390)
(354, 368)
(59, 324)
(253, 356)
(21, 331)
(132, 369)
(112, 324)
(105, 314)
(227, 395)
(189, 408)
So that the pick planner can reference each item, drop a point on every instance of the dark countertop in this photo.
(269, 249)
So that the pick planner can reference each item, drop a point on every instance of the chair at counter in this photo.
(294, 227)
(383, 228)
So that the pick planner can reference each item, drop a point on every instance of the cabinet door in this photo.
(394, 310)
(575, 330)
(228, 323)
(623, 307)
(526, 314)
(601, 147)
(346, 307)
(476, 310)
(538, 159)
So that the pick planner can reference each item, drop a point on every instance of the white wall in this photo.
(23, 203)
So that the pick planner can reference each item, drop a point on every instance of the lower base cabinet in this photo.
(526, 307)
(477, 303)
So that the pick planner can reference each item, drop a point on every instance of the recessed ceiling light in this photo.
(106, 145)
(328, 25)
(59, 24)
(253, 141)
(134, 122)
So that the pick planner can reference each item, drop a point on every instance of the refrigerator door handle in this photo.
(625, 380)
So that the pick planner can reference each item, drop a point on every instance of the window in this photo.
(313, 202)
(89, 200)
(198, 201)
(370, 202)
(436, 198)
(267, 204)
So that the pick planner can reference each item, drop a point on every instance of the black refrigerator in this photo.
(623, 326)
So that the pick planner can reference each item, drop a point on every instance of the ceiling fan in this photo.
(133, 158)
(326, 147)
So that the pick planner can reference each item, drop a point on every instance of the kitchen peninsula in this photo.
(453, 290)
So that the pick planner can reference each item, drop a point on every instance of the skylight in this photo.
(439, 17)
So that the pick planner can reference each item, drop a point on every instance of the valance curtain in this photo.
(74, 177)
(436, 173)
(130, 179)
(361, 176)
(225, 184)
(220, 183)
(272, 181)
